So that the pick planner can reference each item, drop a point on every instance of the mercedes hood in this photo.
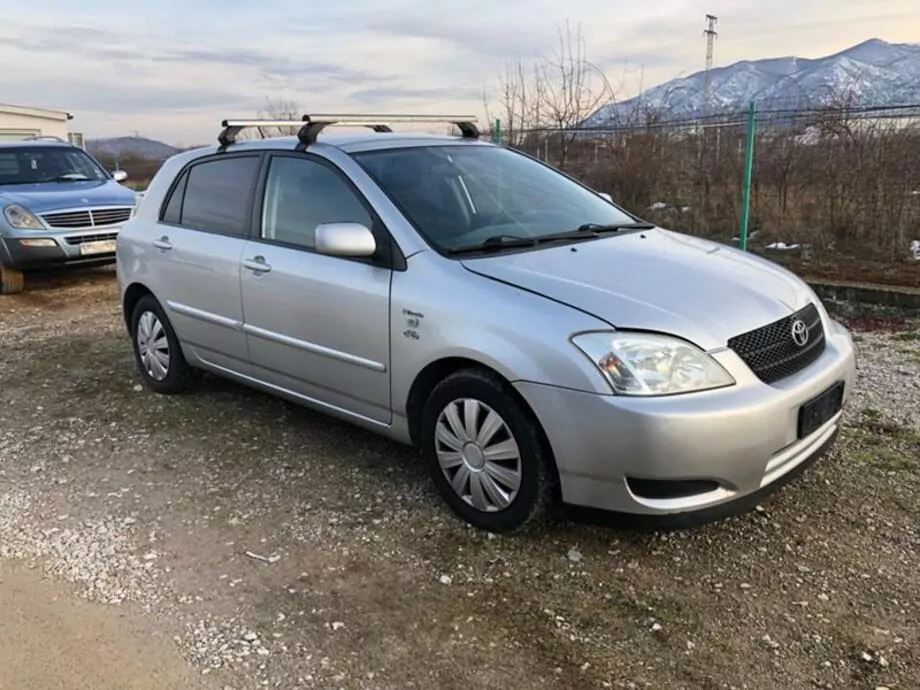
(657, 280)
(43, 197)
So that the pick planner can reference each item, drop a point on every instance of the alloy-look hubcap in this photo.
(153, 346)
(478, 454)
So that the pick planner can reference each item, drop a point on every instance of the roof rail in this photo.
(37, 137)
(312, 125)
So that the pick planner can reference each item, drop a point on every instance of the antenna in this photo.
(711, 34)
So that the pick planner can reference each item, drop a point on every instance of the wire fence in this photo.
(841, 183)
(843, 179)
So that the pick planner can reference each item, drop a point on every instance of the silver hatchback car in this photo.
(539, 344)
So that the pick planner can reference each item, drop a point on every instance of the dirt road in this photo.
(126, 519)
(51, 640)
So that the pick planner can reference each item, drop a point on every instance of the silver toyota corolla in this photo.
(538, 343)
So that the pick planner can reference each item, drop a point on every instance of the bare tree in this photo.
(518, 93)
(279, 109)
(569, 87)
(552, 96)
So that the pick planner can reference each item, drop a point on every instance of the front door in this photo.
(316, 325)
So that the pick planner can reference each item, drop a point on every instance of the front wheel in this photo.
(12, 281)
(156, 349)
(486, 453)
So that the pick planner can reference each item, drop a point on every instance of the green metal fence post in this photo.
(497, 132)
(748, 172)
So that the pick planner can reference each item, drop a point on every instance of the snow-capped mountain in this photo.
(871, 73)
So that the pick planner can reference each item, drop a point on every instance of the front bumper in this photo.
(40, 250)
(723, 446)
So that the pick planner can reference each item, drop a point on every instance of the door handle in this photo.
(163, 243)
(257, 264)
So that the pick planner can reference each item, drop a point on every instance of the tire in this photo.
(12, 281)
(149, 325)
(445, 438)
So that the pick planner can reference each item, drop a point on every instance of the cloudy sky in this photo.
(172, 70)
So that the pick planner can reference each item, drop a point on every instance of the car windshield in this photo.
(462, 196)
(32, 164)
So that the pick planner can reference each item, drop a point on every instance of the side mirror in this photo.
(345, 239)
(119, 176)
(605, 196)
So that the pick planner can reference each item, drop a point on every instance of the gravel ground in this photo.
(278, 548)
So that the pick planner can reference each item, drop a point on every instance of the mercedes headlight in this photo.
(651, 364)
(21, 218)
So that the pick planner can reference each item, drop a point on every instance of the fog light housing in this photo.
(38, 242)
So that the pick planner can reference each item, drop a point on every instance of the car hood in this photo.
(657, 280)
(52, 196)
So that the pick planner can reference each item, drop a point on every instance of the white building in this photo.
(20, 122)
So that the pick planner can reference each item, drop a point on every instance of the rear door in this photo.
(316, 325)
(198, 247)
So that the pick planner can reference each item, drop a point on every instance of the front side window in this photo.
(300, 194)
(38, 164)
(464, 195)
(217, 194)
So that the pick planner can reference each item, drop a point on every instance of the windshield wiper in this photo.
(590, 231)
(70, 177)
(495, 242)
(586, 231)
(611, 227)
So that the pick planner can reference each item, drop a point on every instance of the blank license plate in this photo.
(817, 411)
(100, 247)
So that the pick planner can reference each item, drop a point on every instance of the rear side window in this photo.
(215, 196)
(172, 213)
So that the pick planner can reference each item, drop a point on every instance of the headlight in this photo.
(21, 219)
(650, 364)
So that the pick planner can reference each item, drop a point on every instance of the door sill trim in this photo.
(313, 402)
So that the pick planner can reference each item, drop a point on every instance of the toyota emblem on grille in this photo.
(800, 333)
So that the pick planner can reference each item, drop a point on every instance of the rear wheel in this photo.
(486, 453)
(12, 281)
(157, 351)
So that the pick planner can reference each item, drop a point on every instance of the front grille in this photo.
(70, 219)
(110, 216)
(99, 236)
(88, 218)
(771, 351)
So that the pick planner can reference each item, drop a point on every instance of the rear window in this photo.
(215, 196)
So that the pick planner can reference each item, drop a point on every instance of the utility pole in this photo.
(641, 86)
(711, 34)
(705, 179)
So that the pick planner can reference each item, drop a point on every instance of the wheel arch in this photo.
(435, 372)
(132, 295)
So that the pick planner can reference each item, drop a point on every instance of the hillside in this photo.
(874, 72)
(140, 147)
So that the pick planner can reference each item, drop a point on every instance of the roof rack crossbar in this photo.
(312, 125)
(232, 128)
